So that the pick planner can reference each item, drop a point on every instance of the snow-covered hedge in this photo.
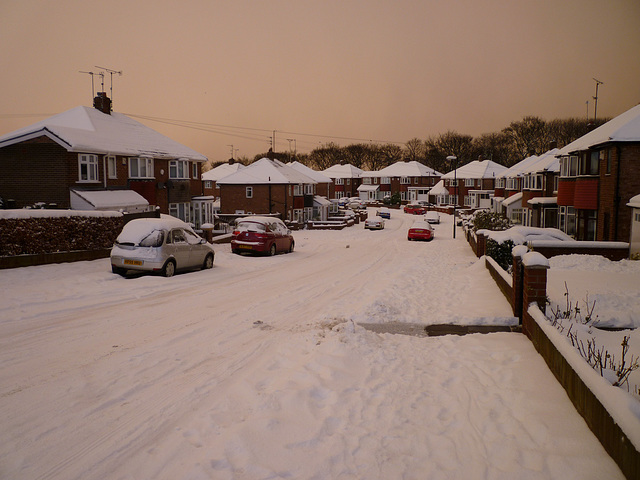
(24, 232)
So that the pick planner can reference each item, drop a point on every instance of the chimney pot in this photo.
(102, 103)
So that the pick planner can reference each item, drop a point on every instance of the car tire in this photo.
(119, 270)
(169, 268)
(272, 250)
(291, 247)
(208, 262)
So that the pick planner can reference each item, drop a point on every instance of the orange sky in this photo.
(365, 70)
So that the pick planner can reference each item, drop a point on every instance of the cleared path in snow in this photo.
(255, 369)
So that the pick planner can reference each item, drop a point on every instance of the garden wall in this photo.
(37, 237)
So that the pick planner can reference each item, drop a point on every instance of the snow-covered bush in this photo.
(483, 219)
(501, 252)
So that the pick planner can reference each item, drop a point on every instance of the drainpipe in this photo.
(104, 170)
(616, 198)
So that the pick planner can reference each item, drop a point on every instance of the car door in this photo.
(180, 248)
(197, 250)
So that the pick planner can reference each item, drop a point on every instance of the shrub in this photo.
(501, 252)
(490, 221)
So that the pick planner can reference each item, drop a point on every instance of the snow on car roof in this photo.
(420, 224)
(137, 229)
(258, 219)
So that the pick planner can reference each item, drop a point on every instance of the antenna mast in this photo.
(595, 108)
(111, 72)
(93, 90)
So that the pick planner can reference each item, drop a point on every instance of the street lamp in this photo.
(453, 159)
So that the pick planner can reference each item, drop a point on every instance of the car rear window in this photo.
(251, 227)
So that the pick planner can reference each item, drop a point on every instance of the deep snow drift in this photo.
(257, 369)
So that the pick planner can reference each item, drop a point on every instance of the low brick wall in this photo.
(599, 420)
(503, 284)
(615, 251)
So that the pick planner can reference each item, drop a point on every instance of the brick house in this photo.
(413, 180)
(211, 177)
(526, 192)
(268, 187)
(94, 149)
(346, 180)
(599, 174)
(473, 184)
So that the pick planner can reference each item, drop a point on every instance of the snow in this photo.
(86, 129)
(108, 199)
(477, 169)
(520, 235)
(222, 171)
(342, 171)
(309, 172)
(406, 169)
(258, 369)
(266, 171)
(535, 259)
(21, 213)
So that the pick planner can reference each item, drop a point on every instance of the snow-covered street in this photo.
(257, 369)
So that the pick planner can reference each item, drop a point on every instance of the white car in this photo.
(432, 217)
(375, 223)
(162, 245)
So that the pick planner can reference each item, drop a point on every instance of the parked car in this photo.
(432, 217)
(375, 223)
(356, 204)
(384, 212)
(415, 209)
(164, 245)
(268, 235)
(421, 230)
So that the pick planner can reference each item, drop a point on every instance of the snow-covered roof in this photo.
(547, 162)
(309, 172)
(320, 200)
(477, 169)
(623, 128)
(517, 169)
(368, 188)
(343, 171)
(512, 199)
(266, 171)
(634, 202)
(88, 130)
(439, 189)
(107, 199)
(543, 201)
(221, 171)
(407, 169)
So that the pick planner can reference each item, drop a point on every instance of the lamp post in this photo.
(453, 159)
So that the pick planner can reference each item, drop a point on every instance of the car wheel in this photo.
(119, 270)
(292, 246)
(272, 250)
(208, 262)
(409, 238)
(169, 269)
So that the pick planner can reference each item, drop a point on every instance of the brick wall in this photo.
(233, 198)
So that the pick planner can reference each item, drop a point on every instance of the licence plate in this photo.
(248, 247)
(133, 262)
(419, 231)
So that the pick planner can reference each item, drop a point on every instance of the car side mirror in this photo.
(203, 241)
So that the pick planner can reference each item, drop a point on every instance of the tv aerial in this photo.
(110, 72)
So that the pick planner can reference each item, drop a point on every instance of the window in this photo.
(348, 181)
(385, 181)
(569, 166)
(180, 210)
(608, 157)
(112, 165)
(415, 180)
(555, 183)
(87, 168)
(499, 182)
(249, 192)
(308, 189)
(208, 184)
(194, 168)
(567, 220)
(533, 182)
(140, 167)
(516, 216)
(297, 190)
(469, 182)
(339, 181)
(375, 180)
(589, 163)
(453, 183)
(405, 181)
(366, 181)
(512, 183)
(179, 169)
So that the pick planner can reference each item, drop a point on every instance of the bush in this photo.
(490, 221)
(501, 253)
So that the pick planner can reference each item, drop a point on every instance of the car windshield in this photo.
(150, 239)
(251, 227)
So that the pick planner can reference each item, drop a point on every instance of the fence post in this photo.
(481, 243)
(534, 289)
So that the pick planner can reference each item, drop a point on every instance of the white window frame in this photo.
(179, 170)
(469, 182)
(141, 167)
(87, 168)
(208, 184)
(194, 170)
(339, 181)
(181, 211)
(112, 166)
(298, 190)
(366, 181)
(405, 181)
(308, 189)
(248, 191)
(385, 181)
(500, 182)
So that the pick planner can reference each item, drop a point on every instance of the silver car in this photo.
(163, 245)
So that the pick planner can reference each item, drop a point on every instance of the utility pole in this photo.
(595, 108)
(289, 140)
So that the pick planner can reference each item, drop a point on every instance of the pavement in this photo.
(418, 330)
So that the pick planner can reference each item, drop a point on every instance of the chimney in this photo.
(102, 103)
(232, 161)
(553, 144)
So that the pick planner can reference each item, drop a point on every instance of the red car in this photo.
(415, 209)
(421, 230)
(266, 235)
